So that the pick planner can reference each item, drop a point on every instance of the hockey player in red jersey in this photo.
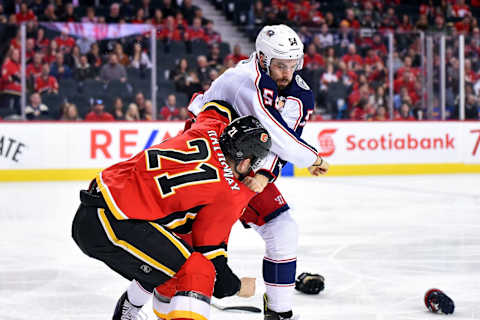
(131, 214)
(269, 87)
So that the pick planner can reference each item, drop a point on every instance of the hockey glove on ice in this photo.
(310, 283)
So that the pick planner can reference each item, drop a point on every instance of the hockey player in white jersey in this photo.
(268, 87)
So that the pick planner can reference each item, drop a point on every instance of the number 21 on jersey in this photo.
(198, 153)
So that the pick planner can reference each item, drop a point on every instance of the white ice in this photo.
(380, 242)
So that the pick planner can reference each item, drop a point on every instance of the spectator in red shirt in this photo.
(170, 32)
(30, 49)
(362, 92)
(407, 80)
(463, 27)
(41, 43)
(350, 16)
(359, 112)
(372, 58)
(297, 14)
(10, 80)
(237, 54)
(345, 75)
(46, 83)
(195, 32)
(352, 56)
(405, 25)
(52, 51)
(16, 42)
(407, 67)
(312, 59)
(378, 45)
(212, 36)
(98, 113)
(181, 23)
(280, 5)
(170, 110)
(460, 9)
(139, 16)
(64, 42)
(157, 19)
(25, 14)
(314, 19)
(34, 69)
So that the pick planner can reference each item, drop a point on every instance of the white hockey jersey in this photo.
(253, 92)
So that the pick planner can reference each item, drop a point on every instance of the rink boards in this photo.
(48, 151)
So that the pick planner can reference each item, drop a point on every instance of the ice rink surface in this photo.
(380, 242)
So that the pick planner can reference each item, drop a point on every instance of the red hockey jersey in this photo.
(183, 183)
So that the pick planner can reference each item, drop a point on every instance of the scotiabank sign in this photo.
(390, 142)
(396, 142)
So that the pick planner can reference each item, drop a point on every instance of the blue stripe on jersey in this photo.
(276, 213)
(267, 83)
(279, 273)
(306, 96)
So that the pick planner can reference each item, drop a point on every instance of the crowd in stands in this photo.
(346, 55)
(72, 78)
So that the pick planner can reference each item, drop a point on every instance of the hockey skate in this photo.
(125, 310)
(272, 315)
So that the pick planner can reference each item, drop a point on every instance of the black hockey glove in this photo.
(310, 283)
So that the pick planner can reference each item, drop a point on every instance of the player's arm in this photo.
(210, 233)
(285, 141)
(218, 110)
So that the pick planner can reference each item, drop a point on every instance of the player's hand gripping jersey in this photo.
(184, 184)
(283, 113)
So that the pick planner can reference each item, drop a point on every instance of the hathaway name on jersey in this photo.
(227, 171)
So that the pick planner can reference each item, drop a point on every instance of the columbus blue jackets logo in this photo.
(301, 83)
(270, 33)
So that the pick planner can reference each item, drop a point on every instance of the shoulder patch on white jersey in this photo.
(301, 83)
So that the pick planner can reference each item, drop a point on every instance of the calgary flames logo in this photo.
(264, 137)
(326, 143)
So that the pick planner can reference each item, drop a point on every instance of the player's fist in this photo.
(320, 167)
(256, 183)
(247, 287)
